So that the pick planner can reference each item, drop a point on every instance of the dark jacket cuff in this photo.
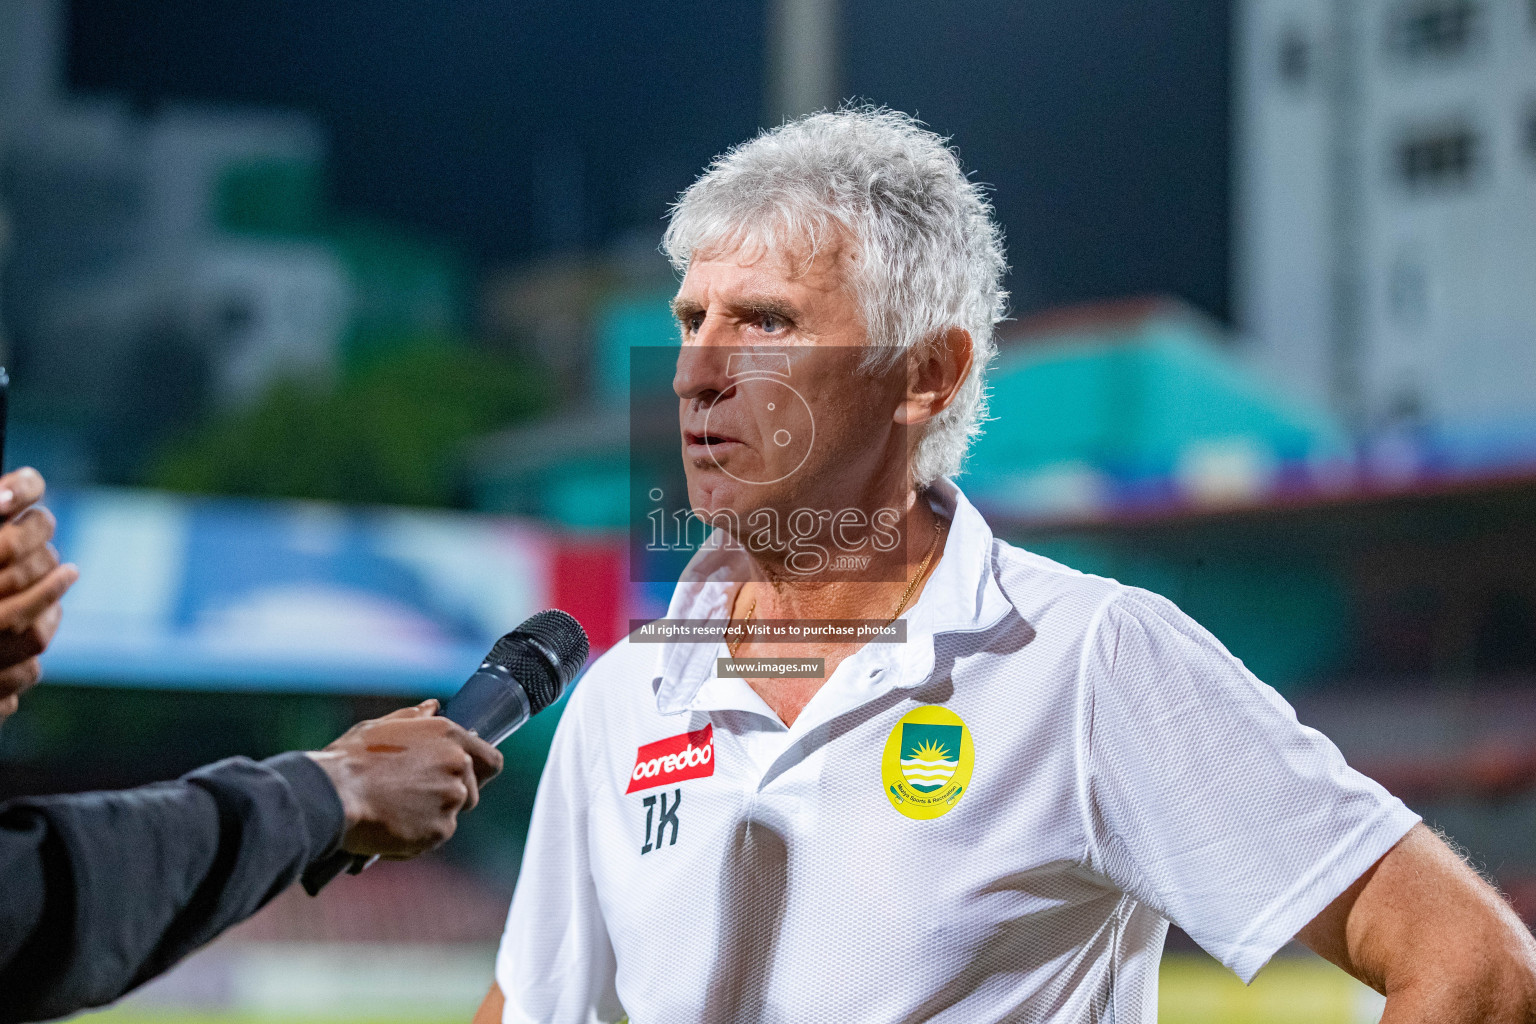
(323, 815)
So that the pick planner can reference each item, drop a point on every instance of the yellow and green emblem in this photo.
(927, 763)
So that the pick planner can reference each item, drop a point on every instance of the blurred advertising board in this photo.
(190, 592)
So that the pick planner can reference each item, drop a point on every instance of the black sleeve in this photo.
(99, 892)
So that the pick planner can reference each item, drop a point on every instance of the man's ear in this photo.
(935, 372)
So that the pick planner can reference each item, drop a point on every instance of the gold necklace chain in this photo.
(933, 546)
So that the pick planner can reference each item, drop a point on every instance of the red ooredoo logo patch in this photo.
(690, 755)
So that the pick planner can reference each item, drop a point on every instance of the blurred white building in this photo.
(117, 241)
(1385, 206)
(120, 269)
(26, 29)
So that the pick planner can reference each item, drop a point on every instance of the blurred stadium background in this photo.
(319, 320)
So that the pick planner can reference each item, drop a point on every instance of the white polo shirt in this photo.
(993, 821)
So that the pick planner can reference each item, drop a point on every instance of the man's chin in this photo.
(711, 491)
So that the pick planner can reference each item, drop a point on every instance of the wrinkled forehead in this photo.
(779, 242)
(770, 263)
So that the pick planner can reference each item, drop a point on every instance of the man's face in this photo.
(774, 408)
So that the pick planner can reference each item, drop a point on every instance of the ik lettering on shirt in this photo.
(668, 817)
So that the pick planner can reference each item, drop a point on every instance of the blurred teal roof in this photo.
(1093, 400)
(624, 323)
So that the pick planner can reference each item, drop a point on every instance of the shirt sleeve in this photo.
(103, 891)
(1205, 798)
(556, 963)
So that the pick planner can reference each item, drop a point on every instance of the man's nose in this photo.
(701, 371)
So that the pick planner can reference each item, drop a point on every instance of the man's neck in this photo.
(880, 600)
(874, 593)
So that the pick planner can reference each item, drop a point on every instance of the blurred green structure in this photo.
(390, 432)
(573, 468)
(406, 389)
(402, 286)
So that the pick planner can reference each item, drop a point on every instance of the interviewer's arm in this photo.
(1423, 929)
(105, 890)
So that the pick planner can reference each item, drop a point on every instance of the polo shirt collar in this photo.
(962, 595)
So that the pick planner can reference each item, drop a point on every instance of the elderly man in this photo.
(993, 820)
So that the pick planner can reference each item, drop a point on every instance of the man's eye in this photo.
(771, 324)
(693, 323)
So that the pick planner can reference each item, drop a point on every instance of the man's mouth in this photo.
(711, 444)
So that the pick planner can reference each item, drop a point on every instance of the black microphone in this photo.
(526, 671)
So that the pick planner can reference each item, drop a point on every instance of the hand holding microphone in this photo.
(404, 778)
(31, 582)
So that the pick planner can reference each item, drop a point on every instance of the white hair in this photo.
(929, 255)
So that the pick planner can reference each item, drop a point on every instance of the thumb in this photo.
(426, 709)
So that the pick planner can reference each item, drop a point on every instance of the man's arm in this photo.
(490, 1010)
(106, 890)
(1423, 929)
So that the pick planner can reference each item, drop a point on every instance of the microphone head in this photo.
(543, 654)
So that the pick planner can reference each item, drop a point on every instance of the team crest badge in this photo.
(927, 762)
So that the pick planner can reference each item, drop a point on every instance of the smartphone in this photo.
(5, 391)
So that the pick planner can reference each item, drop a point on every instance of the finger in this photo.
(425, 709)
(441, 828)
(459, 792)
(26, 571)
(20, 488)
(25, 533)
(47, 625)
(487, 759)
(18, 679)
(19, 611)
(466, 777)
(16, 646)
